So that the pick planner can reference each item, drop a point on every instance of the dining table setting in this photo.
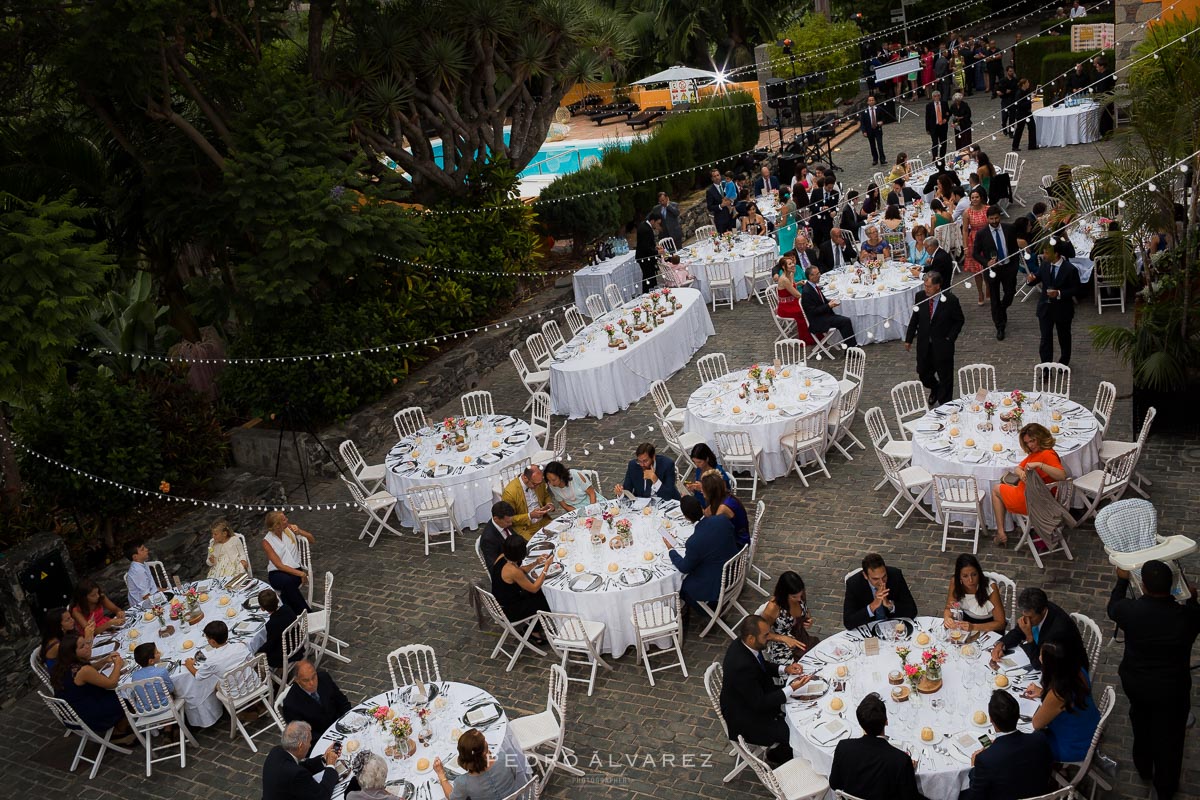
(737, 251)
(876, 296)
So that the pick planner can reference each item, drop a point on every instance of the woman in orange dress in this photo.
(1038, 444)
(974, 219)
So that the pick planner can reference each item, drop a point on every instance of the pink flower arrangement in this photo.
(448, 423)
(755, 372)
(933, 657)
(176, 610)
(912, 671)
(396, 726)
(1018, 397)
(771, 375)
(608, 516)
(423, 713)
(623, 526)
(989, 408)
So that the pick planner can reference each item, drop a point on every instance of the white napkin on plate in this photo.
(828, 731)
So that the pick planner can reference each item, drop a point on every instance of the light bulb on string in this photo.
(1152, 188)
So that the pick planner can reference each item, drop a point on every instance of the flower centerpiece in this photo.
(609, 515)
(175, 611)
(902, 651)
(914, 674)
(426, 734)
(933, 659)
(1018, 397)
(654, 298)
(612, 334)
(756, 373)
(399, 728)
(624, 537)
(192, 597)
(744, 391)
(770, 375)
(158, 612)
(637, 316)
(989, 409)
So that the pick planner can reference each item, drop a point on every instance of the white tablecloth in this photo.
(611, 601)
(248, 626)
(447, 718)
(879, 309)
(699, 255)
(621, 270)
(967, 686)
(1059, 126)
(468, 476)
(715, 406)
(590, 379)
(935, 449)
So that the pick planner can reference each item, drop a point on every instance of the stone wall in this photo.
(1129, 15)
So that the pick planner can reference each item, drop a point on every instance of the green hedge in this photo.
(1031, 52)
(1054, 65)
(813, 41)
(1090, 19)
(581, 219)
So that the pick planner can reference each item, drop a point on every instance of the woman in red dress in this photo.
(974, 219)
(926, 68)
(1038, 444)
(789, 297)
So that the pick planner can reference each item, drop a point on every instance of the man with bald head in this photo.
(288, 775)
(314, 698)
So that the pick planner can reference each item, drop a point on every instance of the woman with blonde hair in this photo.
(1009, 496)
(225, 553)
(284, 571)
(900, 169)
(485, 777)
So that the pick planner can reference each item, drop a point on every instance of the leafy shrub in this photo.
(812, 37)
(1055, 64)
(581, 219)
(1030, 52)
(191, 443)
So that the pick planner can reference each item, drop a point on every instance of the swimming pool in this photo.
(561, 158)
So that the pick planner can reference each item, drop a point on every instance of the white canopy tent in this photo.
(680, 73)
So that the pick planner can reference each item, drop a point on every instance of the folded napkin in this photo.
(827, 732)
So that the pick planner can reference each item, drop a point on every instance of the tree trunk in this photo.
(317, 12)
(11, 495)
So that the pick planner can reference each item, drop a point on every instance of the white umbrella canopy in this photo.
(679, 73)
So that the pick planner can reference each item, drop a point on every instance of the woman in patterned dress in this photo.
(974, 219)
(787, 614)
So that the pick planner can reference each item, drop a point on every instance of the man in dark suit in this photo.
(649, 475)
(1016, 765)
(935, 324)
(496, 530)
(851, 219)
(869, 767)
(647, 250)
(820, 312)
(1008, 96)
(286, 777)
(712, 195)
(826, 210)
(1040, 621)
(878, 592)
(281, 616)
(941, 71)
(939, 260)
(837, 252)
(1155, 674)
(937, 118)
(765, 183)
(870, 123)
(751, 703)
(997, 249)
(711, 545)
(1056, 308)
(314, 698)
(901, 195)
(806, 255)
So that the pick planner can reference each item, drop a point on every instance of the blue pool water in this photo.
(559, 158)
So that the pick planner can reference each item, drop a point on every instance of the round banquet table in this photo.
(699, 255)
(248, 625)
(914, 214)
(467, 477)
(622, 271)
(880, 310)
(715, 406)
(590, 379)
(1059, 126)
(967, 684)
(936, 450)
(599, 593)
(453, 702)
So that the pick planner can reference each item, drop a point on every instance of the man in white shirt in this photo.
(1077, 10)
(961, 203)
(220, 656)
(139, 581)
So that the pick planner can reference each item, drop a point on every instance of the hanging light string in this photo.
(1051, 237)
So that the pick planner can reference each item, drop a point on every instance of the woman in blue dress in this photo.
(718, 500)
(1068, 714)
(916, 248)
(704, 460)
(570, 487)
(88, 691)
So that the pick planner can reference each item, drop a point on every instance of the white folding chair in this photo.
(1107, 483)
(595, 306)
(368, 476)
(657, 621)
(915, 165)
(1064, 493)
(667, 243)
(433, 508)
(479, 403)
(712, 366)
(539, 419)
(532, 381)
(1089, 631)
(575, 320)
(959, 495)
(739, 453)
(1102, 407)
(733, 576)
(854, 369)
(1109, 276)
(246, 685)
(1072, 774)
(785, 325)
(39, 669)
(880, 182)
(63, 712)
(1065, 793)
(1052, 378)
(520, 630)
(539, 351)
(705, 232)
(378, 507)
(304, 549)
(409, 420)
(792, 780)
(974, 377)
(665, 403)
(755, 577)
(1010, 161)
(714, 679)
(293, 646)
(669, 276)
(553, 335)
(910, 404)
(791, 352)
(1015, 182)
(808, 435)
(320, 625)
(821, 341)
(846, 410)
(760, 275)
(540, 736)
(612, 295)
(1048, 181)
(413, 664)
(881, 439)
(1007, 588)
(720, 282)
(149, 707)
(530, 791)
(1112, 448)
(556, 448)
(571, 634)
(681, 444)
(912, 485)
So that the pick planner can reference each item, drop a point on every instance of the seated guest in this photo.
(753, 222)
(225, 558)
(220, 656)
(872, 203)
(1016, 765)
(751, 703)
(314, 698)
(284, 571)
(916, 249)
(820, 312)
(902, 195)
(874, 248)
(485, 777)
(900, 169)
(529, 496)
(878, 592)
(570, 487)
(870, 767)
(1068, 714)
(789, 296)
(720, 503)
(90, 606)
(805, 255)
(372, 781)
(139, 581)
(712, 544)
(705, 461)
(977, 600)
(280, 619)
(89, 691)
(57, 624)
(851, 219)
(787, 614)
(892, 221)
(495, 531)
(940, 215)
(725, 219)
(649, 475)
(961, 202)
(148, 659)
(1038, 444)
(288, 775)
(673, 273)
(766, 182)
(1039, 621)
(837, 251)
(519, 597)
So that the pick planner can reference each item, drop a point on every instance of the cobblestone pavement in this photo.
(394, 595)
